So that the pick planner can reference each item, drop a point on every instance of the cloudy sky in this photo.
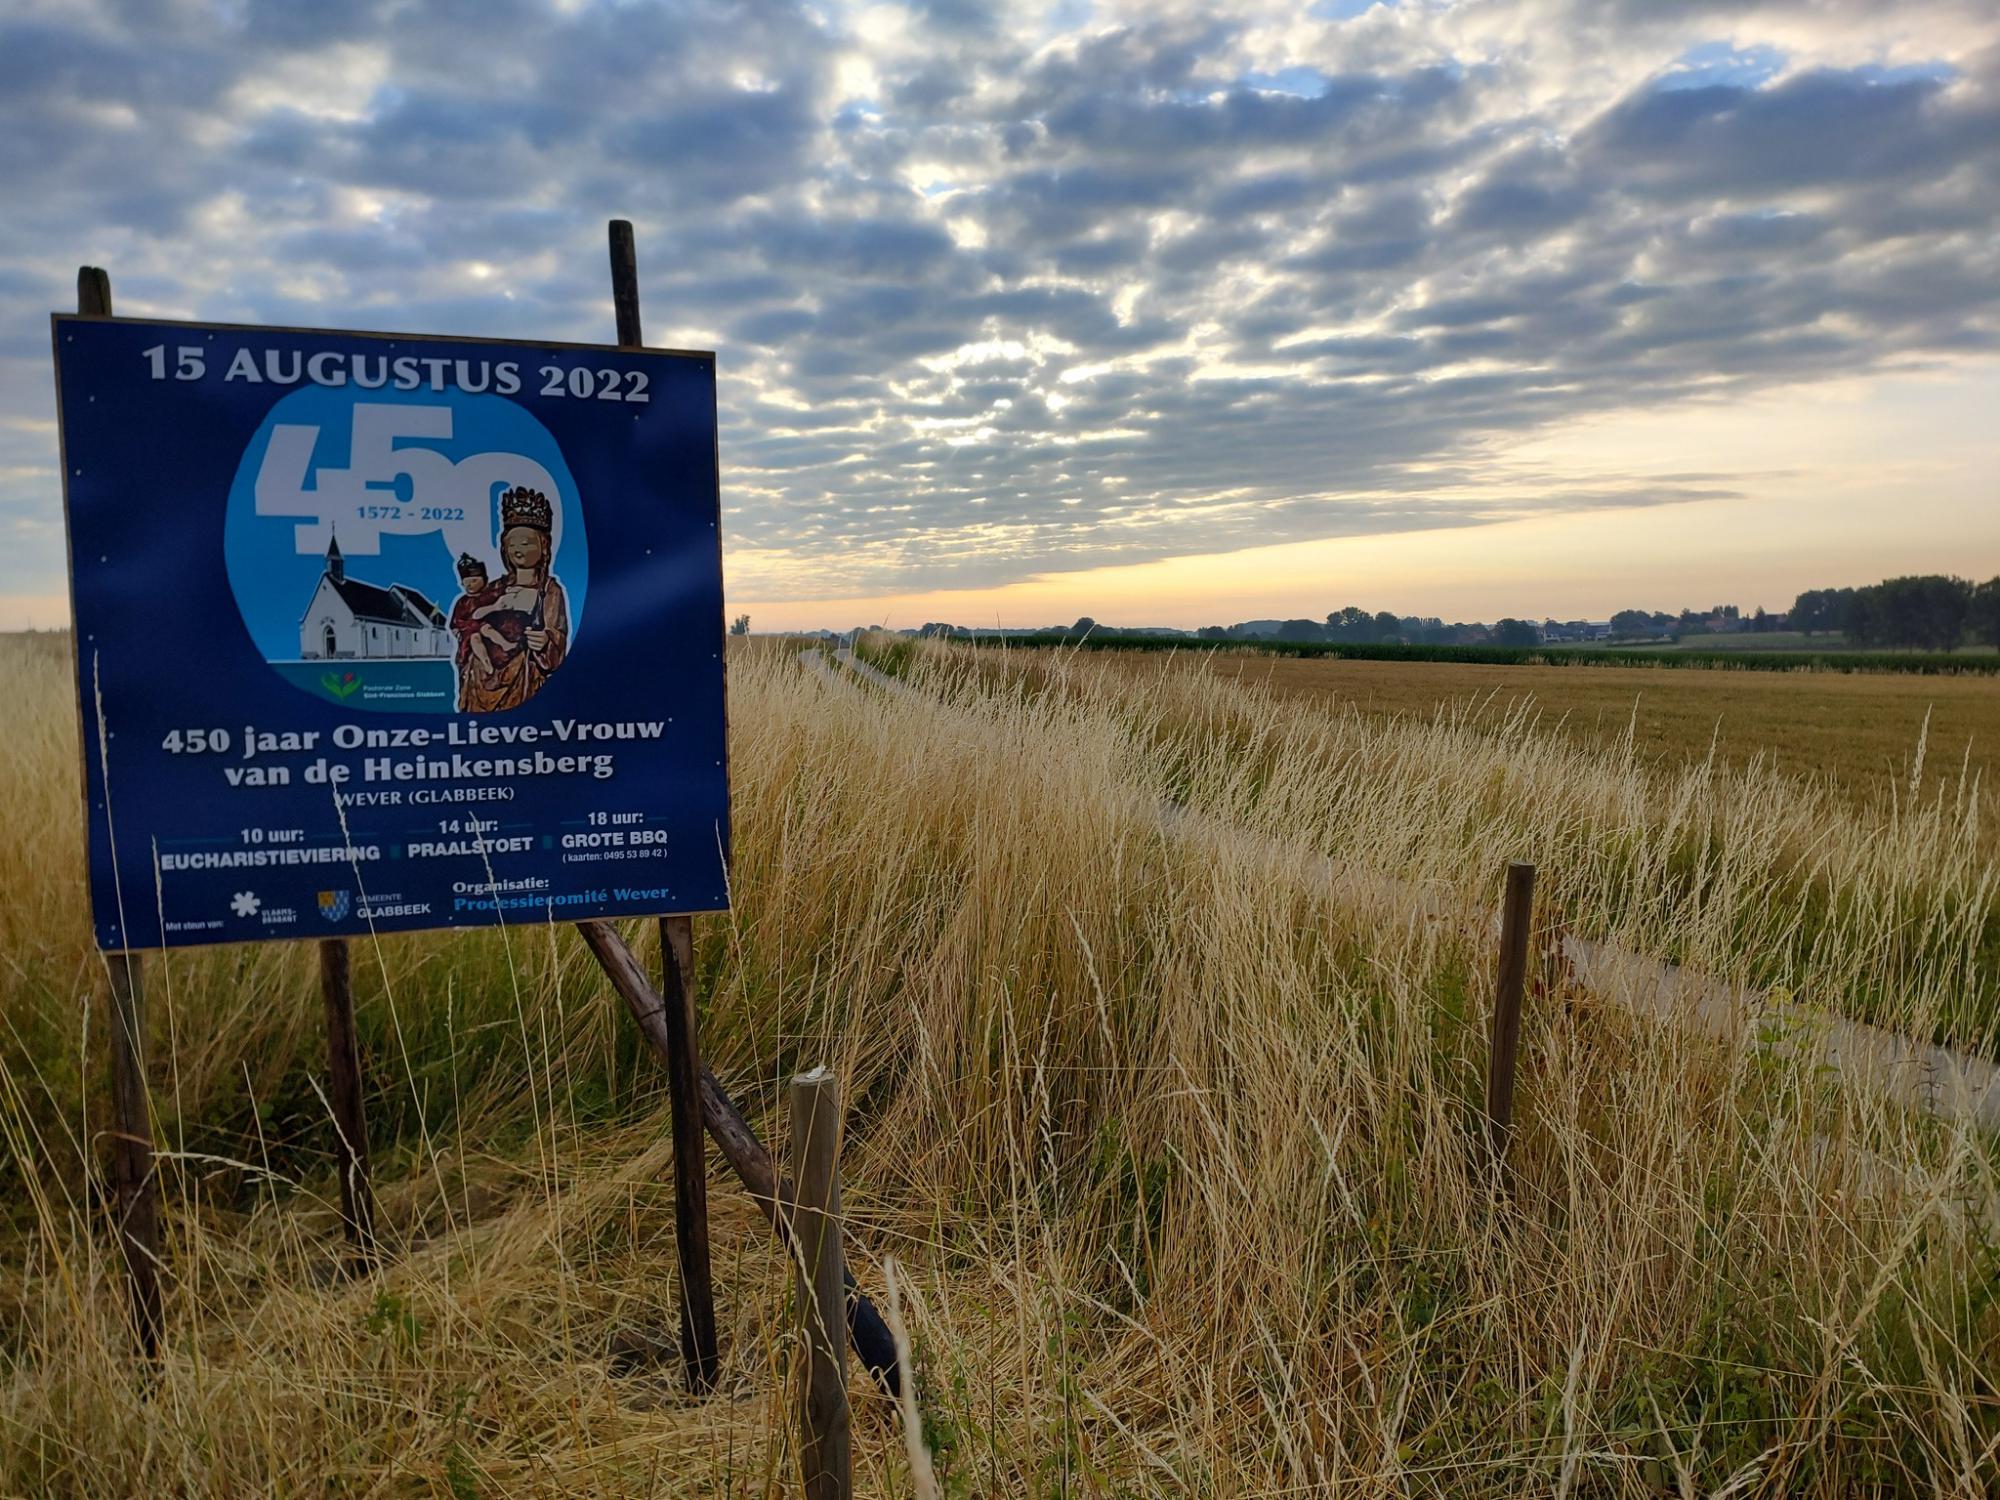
(1169, 314)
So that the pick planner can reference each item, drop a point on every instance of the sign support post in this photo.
(133, 1168)
(350, 1117)
(697, 1292)
(133, 1173)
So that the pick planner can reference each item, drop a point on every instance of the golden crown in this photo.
(522, 506)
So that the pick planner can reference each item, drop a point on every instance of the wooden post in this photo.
(697, 1289)
(625, 285)
(873, 1343)
(93, 292)
(697, 1299)
(350, 1119)
(1506, 1039)
(826, 1447)
(135, 1183)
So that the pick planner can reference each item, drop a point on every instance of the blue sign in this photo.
(377, 633)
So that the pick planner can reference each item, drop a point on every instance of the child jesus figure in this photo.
(475, 637)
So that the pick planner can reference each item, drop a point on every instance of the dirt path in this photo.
(1929, 1079)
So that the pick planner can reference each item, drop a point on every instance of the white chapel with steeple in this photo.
(352, 620)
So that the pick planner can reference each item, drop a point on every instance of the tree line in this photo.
(1355, 626)
(1931, 612)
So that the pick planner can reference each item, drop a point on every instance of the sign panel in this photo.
(379, 632)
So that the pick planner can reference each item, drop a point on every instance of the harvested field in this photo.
(1856, 733)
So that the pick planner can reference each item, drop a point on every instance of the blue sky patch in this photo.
(1306, 83)
(1345, 10)
(1718, 63)
(1935, 71)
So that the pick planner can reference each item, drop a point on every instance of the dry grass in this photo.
(1855, 733)
(1169, 1137)
(1885, 912)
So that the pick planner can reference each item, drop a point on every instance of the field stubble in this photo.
(1171, 1142)
(1855, 734)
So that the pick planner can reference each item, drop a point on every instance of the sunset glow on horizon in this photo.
(1819, 466)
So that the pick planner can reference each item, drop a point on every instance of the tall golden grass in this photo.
(1887, 911)
(1171, 1137)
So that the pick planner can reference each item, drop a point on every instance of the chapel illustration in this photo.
(349, 619)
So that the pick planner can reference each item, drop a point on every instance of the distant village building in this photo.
(350, 619)
(1572, 632)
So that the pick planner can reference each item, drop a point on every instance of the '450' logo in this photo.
(392, 482)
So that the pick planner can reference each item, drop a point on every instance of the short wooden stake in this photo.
(350, 1118)
(136, 1182)
(826, 1456)
(1506, 1039)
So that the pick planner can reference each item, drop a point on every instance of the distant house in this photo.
(349, 619)
(1573, 632)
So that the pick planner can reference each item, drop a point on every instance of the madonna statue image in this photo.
(514, 631)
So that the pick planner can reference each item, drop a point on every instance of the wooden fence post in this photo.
(1506, 1038)
(826, 1457)
(697, 1289)
(350, 1118)
(135, 1182)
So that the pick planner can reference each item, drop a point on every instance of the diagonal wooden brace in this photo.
(866, 1332)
